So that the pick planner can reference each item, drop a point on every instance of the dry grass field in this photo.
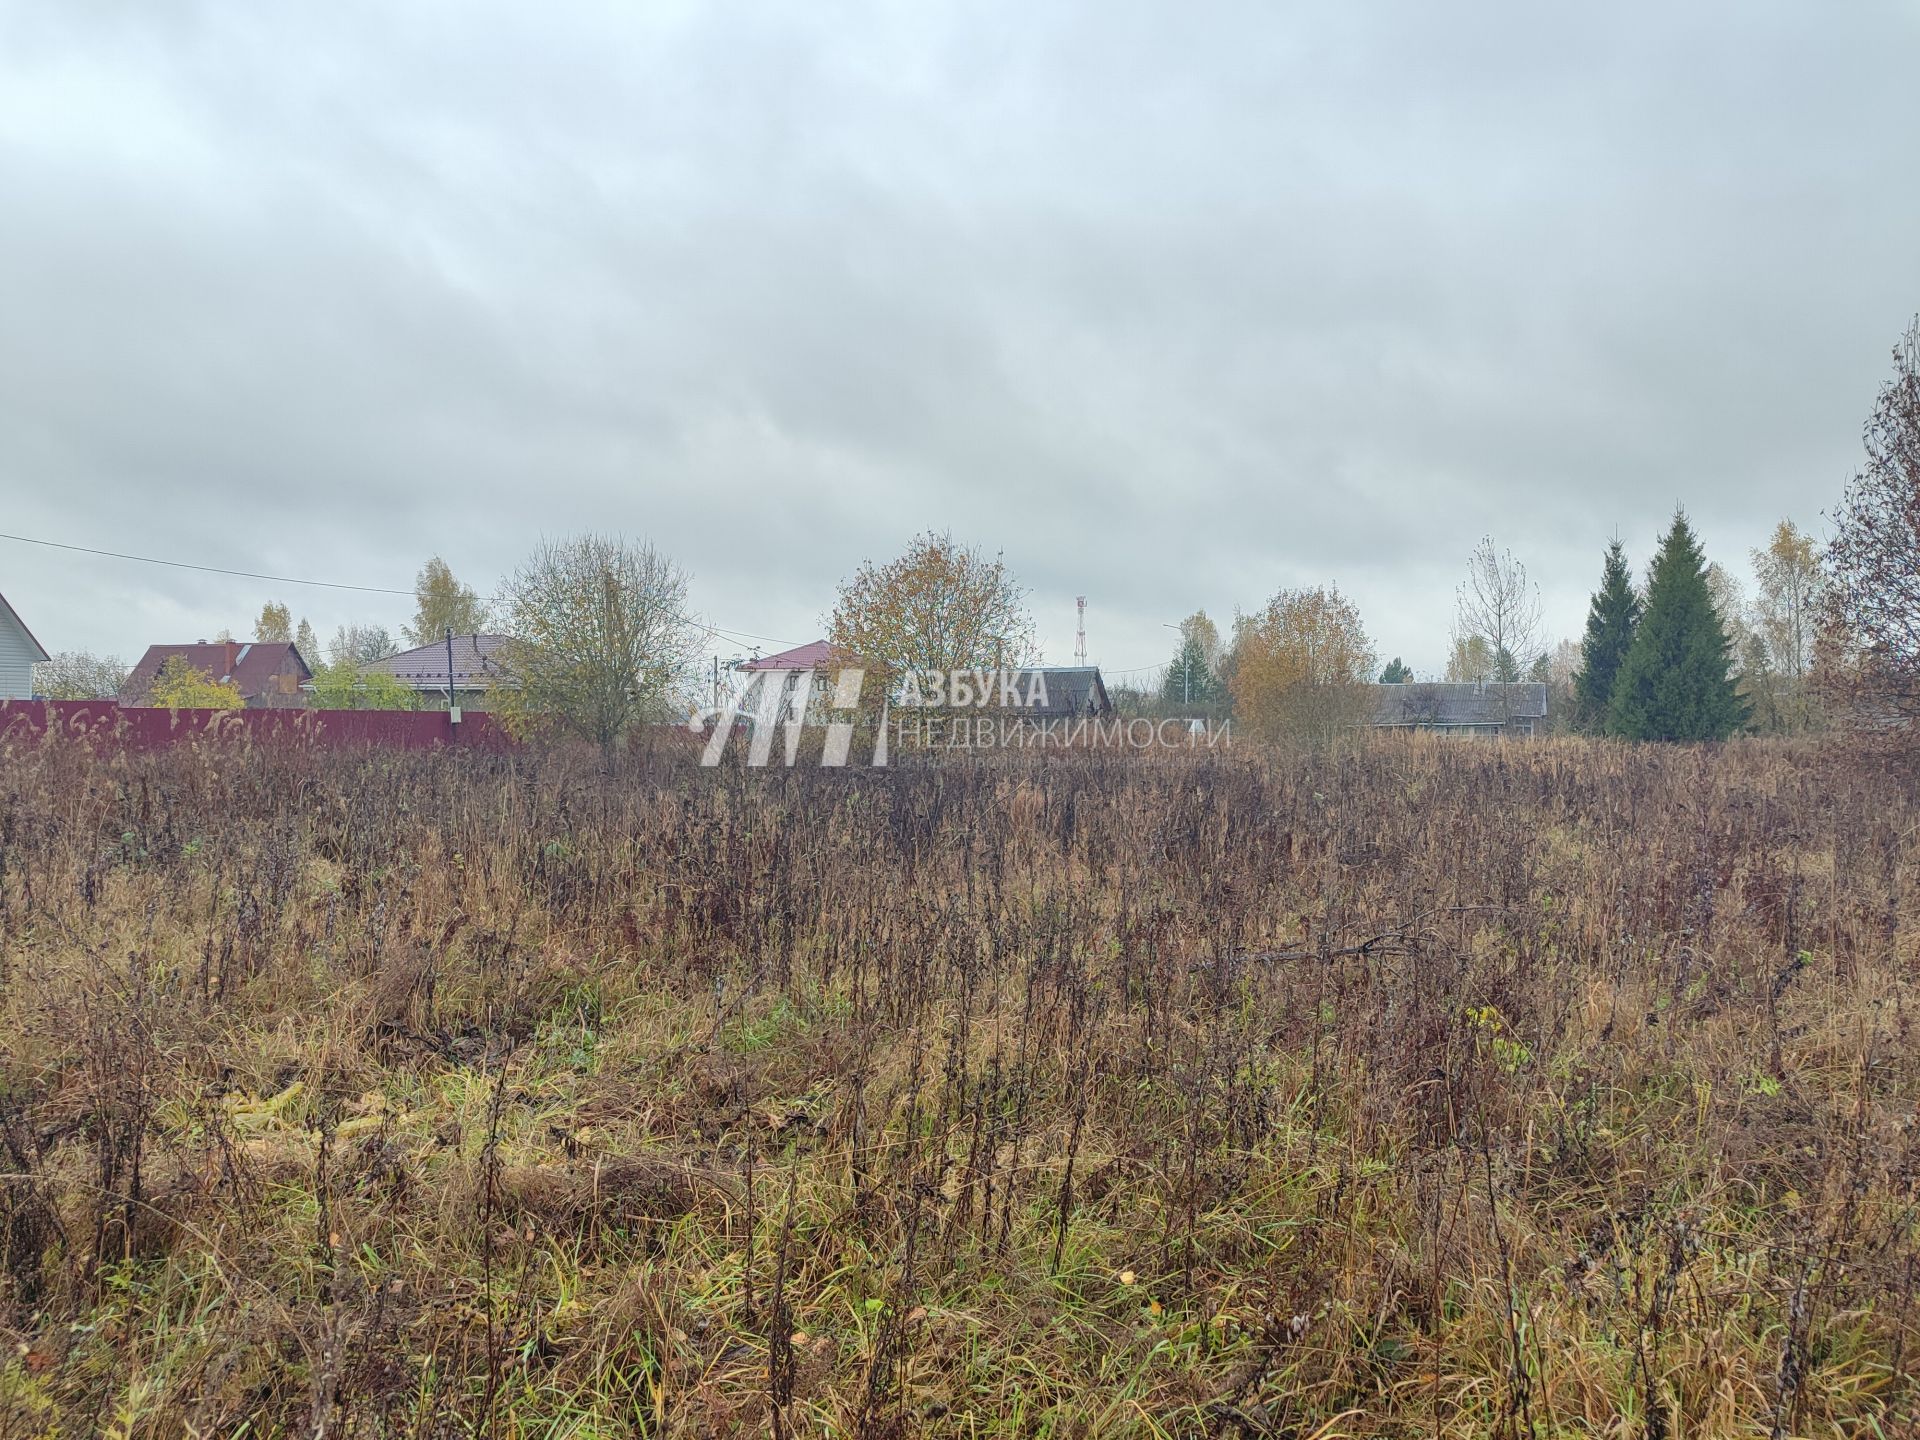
(1430, 1089)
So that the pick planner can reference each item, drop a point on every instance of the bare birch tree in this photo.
(1786, 617)
(1872, 663)
(1501, 605)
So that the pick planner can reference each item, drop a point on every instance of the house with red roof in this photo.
(814, 655)
(268, 674)
(783, 671)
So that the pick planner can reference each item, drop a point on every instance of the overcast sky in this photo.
(1175, 304)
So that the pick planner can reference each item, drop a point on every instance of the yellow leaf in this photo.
(1126, 1277)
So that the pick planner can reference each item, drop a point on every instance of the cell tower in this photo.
(1080, 634)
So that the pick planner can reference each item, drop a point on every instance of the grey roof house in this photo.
(424, 669)
(1062, 691)
(1471, 708)
(19, 653)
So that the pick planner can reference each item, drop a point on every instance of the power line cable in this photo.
(738, 637)
(209, 569)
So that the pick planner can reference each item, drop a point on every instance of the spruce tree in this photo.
(1612, 617)
(1189, 680)
(1675, 682)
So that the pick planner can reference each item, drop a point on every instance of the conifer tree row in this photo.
(1676, 680)
(1658, 667)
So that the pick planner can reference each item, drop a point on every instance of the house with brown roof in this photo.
(19, 653)
(268, 674)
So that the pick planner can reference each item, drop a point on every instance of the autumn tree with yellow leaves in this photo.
(1302, 667)
(275, 625)
(940, 606)
(179, 686)
(442, 605)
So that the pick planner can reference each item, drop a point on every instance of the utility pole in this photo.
(1186, 664)
(724, 667)
(450, 706)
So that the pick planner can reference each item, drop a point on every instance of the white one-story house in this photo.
(19, 653)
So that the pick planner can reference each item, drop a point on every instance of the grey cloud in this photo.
(1175, 305)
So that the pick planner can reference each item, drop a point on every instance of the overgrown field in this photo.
(1432, 1089)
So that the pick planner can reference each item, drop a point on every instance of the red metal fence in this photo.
(152, 729)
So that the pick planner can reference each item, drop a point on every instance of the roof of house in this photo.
(1068, 689)
(810, 656)
(39, 649)
(1458, 703)
(249, 665)
(425, 666)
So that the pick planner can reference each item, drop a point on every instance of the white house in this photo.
(783, 673)
(19, 653)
